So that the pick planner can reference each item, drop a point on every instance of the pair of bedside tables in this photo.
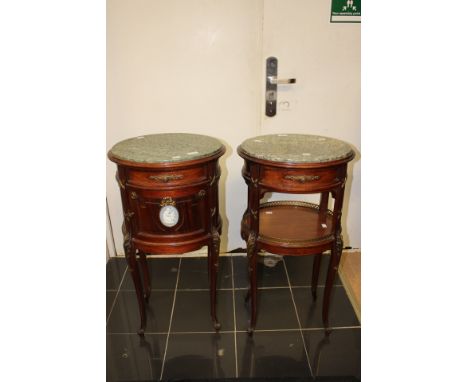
(169, 191)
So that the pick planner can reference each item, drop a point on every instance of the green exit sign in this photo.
(345, 11)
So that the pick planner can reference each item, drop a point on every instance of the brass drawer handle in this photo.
(302, 178)
(165, 178)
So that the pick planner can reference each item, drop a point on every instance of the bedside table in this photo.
(298, 164)
(169, 190)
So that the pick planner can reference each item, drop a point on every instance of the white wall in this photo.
(185, 66)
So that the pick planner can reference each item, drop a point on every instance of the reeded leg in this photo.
(336, 250)
(315, 275)
(213, 262)
(252, 258)
(323, 208)
(253, 225)
(332, 269)
(146, 276)
(133, 267)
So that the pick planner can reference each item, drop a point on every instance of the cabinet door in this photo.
(159, 214)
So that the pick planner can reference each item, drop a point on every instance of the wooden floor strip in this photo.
(350, 273)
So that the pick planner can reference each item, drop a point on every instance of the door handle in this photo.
(275, 81)
(272, 82)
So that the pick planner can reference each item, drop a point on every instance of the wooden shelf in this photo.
(294, 225)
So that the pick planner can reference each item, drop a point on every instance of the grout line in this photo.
(179, 290)
(115, 298)
(277, 287)
(234, 313)
(318, 286)
(273, 330)
(212, 332)
(333, 328)
(226, 289)
(243, 331)
(174, 333)
(170, 321)
(132, 333)
(298, 321)
(152, 290)
(150, 367)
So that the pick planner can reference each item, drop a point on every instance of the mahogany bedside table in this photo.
(297, 164)
(169, 189)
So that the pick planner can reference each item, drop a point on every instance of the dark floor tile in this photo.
(300, 270)
(339, 354)
(110, 296)
(341, 312)
(275, 310)
(241, 277)
(194, 273)
(195, 356)
(272, 354)
(125, 317)
(266, 276)
(115, 269)
(192, 311)
(131, 358)
(163, 274)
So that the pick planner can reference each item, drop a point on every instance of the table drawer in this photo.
(164, 179)
(300, 180)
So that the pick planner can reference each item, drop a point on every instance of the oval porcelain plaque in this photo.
(169, 216)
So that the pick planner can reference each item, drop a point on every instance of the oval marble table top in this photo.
(296, 148)
(170, 147)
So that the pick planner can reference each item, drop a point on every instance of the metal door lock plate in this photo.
(272, 83)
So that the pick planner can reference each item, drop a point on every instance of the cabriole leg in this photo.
(146, 275)
(332, 269)
(252, 259)
(315, 275)
(213, 261)
(133, 267)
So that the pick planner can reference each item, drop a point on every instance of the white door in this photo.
(324, 58)
(198, 66)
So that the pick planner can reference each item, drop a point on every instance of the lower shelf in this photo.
(295, 228)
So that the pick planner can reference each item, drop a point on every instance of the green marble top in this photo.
(170, 147)
(296, 148)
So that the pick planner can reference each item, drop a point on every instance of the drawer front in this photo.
(169, 178)
(301, 180)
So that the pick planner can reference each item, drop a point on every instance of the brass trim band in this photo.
(295, 203)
